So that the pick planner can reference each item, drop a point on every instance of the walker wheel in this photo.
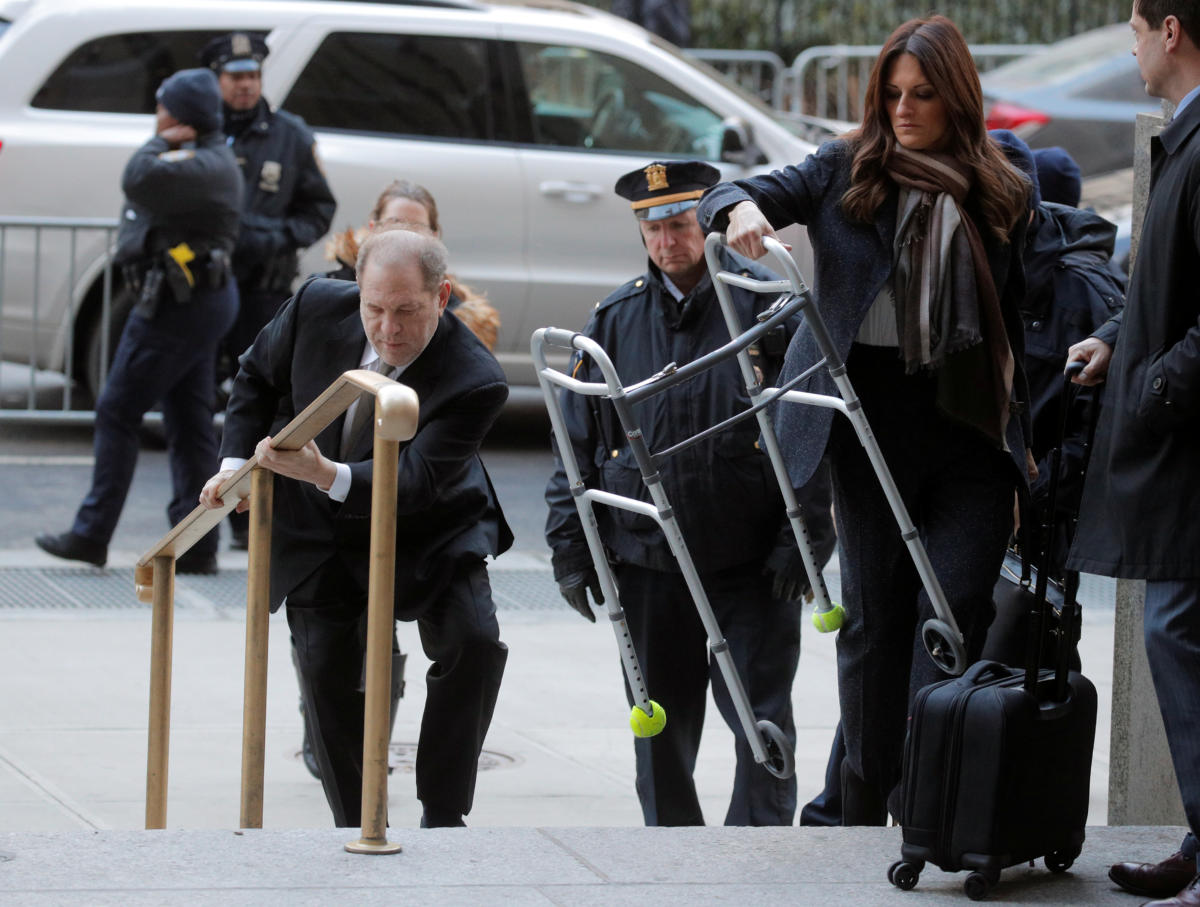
(829, 621)
(781, 761)
(944, 646)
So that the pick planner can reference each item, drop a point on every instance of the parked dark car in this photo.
(1082, 93)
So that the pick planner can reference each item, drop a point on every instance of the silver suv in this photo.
(518, 118)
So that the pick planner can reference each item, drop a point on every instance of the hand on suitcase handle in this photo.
(574, 588)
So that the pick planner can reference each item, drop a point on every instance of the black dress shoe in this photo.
(194, 562)
(1155, 880)
(1189, 897)
(441, 818)
(73, 547)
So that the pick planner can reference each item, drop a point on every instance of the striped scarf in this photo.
(947, 311)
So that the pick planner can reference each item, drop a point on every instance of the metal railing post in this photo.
(258, 619)
(381, 587)
(161, 631)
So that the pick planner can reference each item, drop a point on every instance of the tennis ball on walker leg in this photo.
(829, 621)
(648, 725)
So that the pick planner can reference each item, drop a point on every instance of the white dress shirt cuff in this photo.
(341, 483)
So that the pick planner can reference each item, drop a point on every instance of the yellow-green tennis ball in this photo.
(644, 725)
(829, 621)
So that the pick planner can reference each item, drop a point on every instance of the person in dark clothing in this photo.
(406, 205)
(669, 19)
(917, 222)
(286, 203)
(1070, 291)
(448, 518)
(1139, 500)
(725, 497)
(182, 195)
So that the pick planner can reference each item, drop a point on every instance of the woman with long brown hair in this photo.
(916, 221)
(405, 205)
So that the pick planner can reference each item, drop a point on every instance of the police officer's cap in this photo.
(666, 188)
(237, 52)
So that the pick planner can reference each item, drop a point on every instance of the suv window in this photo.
(582, 98)
(415, 85)
(121, 73)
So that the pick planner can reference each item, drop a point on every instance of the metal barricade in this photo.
(830, 80)
(54, 271)
(760, 72)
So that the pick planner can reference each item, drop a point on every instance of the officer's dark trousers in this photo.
(764, 640)
(1172, 630)
(959, 492)
(169, 360)
(459, 634)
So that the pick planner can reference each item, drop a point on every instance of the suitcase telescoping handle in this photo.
(1039, 617)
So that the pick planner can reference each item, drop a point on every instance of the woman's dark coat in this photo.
(853, 262)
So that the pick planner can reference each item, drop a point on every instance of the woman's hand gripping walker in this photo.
(941, 636)
(767, 742)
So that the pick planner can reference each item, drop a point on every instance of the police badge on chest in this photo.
(269, 176)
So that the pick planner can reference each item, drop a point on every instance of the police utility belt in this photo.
(173, 275)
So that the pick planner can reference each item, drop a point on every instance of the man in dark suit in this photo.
(1138, 519)
(448, 519)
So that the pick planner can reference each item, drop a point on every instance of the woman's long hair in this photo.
(942, 51)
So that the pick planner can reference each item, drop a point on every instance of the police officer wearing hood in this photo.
(286, 203)
(182, 195)
(729, 507)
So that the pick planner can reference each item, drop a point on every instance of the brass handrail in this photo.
(396, 413)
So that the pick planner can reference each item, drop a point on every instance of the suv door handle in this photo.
(578, 193)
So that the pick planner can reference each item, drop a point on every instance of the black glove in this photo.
(789, 579)
(574, 588)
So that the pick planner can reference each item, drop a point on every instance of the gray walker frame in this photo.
(767, 742)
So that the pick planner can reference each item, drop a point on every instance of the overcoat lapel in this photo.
(346, 342)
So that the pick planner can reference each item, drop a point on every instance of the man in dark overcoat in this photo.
(725, 498)
(1139, 506)
(448, 518)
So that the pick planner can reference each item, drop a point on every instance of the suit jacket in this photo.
(853, 262)
(1139, 500)
(447, 510)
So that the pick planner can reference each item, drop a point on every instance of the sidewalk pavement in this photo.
(555, 818)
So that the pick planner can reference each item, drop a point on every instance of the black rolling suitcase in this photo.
(997, 762)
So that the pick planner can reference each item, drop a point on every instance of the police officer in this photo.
(286, 205)
(178, 226)
(728, 505)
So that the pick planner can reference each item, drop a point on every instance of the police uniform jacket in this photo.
(1139, 500)
(447, 510)
(187, 195)
(1070, 292)
(853, 262)
(287, 203)
(723, 490)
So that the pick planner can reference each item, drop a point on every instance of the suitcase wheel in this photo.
(978, 885)
(1060, 860)
(904, 875)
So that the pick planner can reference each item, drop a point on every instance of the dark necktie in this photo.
(364, 409)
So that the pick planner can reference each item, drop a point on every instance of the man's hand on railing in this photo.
(307, 464)
(211, 500)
